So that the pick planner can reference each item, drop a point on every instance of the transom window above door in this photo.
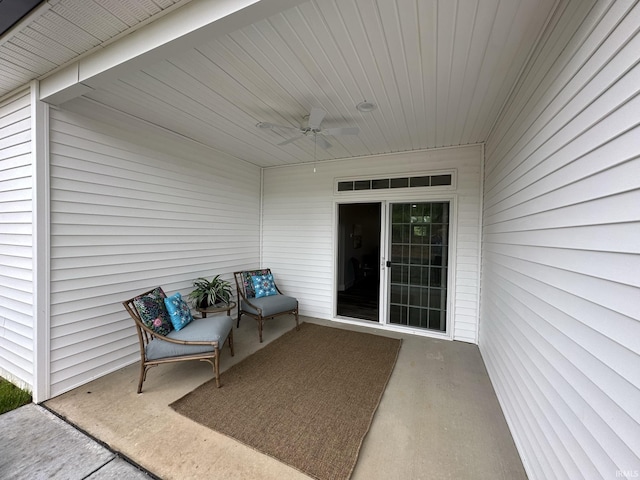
(440, 179)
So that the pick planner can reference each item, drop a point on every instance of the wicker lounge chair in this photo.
(201, 340)
(262, 305)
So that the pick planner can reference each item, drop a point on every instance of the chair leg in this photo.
(142, 375)
(297, 324)
(238, 322)
(260, 328)
(216, 367)
(230, 340)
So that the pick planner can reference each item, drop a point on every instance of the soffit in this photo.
(59, 31)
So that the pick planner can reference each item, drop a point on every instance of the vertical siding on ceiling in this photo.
(560, 322)
(299, 226)
(131, 210)
(16, 256)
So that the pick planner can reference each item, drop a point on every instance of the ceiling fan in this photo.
(313, 129)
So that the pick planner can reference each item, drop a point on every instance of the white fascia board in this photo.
(63, 86)
(194, 24)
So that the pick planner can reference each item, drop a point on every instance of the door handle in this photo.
(389, 263)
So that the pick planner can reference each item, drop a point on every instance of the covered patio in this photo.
(439, 418)
(146, 146)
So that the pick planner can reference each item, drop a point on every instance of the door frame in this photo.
(386, 198)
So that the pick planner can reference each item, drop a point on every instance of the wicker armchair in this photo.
(261, 308)
(201, 340)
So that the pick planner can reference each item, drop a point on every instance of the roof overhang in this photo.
(197, 22)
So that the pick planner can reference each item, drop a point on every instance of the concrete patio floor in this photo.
(439, 417)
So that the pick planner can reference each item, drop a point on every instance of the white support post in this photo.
(41, 245)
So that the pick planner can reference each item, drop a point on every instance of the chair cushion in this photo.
(270, 305)
(264, 285)
(179, 311)
(153, 311)
(204, 329)
(247, 282)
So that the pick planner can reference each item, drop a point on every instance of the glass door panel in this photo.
(359, 240)
(419, 264)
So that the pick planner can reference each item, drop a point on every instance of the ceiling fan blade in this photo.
(290, 140)
(315, 117)
(341, 131)
(271, 126)
(322, 142)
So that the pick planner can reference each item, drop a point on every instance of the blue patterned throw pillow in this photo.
(264, 285)
(247, 281)
(153, 312)
(179, 311)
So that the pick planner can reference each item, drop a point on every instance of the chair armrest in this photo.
(185, 342)
(255, 307)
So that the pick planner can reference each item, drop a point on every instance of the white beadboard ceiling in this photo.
(439, 71)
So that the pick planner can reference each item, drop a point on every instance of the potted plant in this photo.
(210, 292)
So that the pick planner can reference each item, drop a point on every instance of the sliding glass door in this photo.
(418, 264)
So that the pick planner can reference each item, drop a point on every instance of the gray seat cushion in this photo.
(270, 305)
(203, 329)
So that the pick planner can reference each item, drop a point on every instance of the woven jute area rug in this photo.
(306, 399)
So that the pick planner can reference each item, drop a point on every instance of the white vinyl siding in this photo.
(560, 319)
(131, 210)
(16, 229)
(299, 225)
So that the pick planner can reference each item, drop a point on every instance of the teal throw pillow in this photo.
(264, 285)
(179, 311)
(153, 312)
